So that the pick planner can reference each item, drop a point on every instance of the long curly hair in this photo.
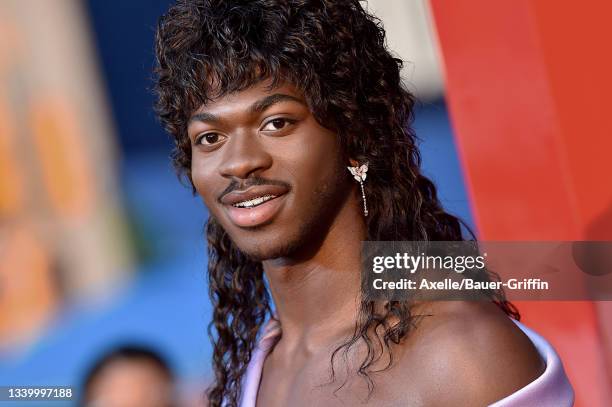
(334, 52)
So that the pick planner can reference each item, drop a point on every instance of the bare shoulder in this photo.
(469, 353)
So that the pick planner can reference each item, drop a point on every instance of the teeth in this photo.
(254, 202)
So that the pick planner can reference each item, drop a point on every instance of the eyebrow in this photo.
(257, 107)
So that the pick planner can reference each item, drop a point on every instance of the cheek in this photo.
(315, 168)
(204, 182)
(317, 151)
(322, 159)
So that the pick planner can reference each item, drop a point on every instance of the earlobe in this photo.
(353, 162)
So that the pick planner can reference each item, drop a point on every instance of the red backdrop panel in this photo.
(527, 83)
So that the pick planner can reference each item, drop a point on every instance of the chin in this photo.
(266, 247)
(258, 253)
(273, 241)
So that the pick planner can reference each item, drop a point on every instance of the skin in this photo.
(310, 253)
(130, 383)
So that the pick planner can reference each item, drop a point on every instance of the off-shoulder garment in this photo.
(551, 389)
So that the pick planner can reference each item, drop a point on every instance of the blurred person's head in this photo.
(129, 376)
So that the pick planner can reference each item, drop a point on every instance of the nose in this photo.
(244, 155)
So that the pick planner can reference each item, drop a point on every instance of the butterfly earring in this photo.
(359, 173)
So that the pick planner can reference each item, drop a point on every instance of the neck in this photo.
(317, 297)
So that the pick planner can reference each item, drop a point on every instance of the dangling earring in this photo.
(359, 173)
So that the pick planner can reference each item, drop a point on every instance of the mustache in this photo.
(249, 182)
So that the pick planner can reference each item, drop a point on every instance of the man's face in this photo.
(269, 173)
(130, 383)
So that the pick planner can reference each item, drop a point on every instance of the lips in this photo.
(255, 205)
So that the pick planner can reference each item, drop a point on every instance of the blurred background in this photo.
(100, 244)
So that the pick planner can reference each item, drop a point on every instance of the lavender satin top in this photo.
(550, 389)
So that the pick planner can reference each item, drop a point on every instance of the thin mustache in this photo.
(247, 183)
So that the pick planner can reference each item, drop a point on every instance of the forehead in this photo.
(246, 97)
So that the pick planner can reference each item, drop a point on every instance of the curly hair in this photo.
(334, 52)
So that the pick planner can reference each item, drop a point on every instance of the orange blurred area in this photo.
(65, 168)
(21, 316)
(55, 191)
(83, 263)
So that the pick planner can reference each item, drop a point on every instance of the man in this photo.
(269, 102)
(129, 376)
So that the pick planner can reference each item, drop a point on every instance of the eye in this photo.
(277, 124)
(209, 139)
